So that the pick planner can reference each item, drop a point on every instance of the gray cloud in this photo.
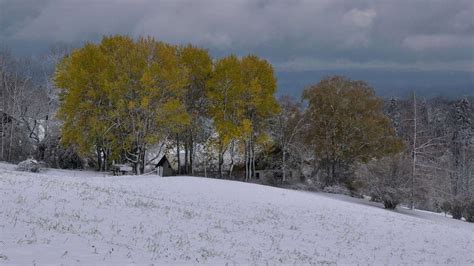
(294, 35)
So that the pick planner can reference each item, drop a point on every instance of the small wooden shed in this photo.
(168, 165)
(165, 167)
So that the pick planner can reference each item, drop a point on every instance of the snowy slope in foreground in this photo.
(74, 218)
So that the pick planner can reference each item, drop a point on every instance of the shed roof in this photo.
(172, 160)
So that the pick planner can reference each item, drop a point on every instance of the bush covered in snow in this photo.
(446, 207)
(337, 189)
(29, 165)
(386, 179)
(457, 209)
(469, 211)
(303, 186)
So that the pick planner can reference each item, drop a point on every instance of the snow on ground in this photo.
(79, 217)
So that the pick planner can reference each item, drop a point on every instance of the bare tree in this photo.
(425, 148)
(14, 83)
(287, 128)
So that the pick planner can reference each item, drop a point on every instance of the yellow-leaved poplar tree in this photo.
(121, 96)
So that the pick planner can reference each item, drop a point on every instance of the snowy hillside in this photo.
(73, 217)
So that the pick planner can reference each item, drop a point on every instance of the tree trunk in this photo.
(135, 168)
(142, 160)
(412, 194)
(55, 160)
(333, 169)
(99, 159)
(106, 160)
(2, 156)
(186, 147)
(253, 160)
(283, 166)
(205, 167)
(251, 157)
(328, 171)
(12, 128)
(2, 128)
(247, 160)
(220, 165)
(178, 153)
(221, 160)
(191, 155)
(231, 167)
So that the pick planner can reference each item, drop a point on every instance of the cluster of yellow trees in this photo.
(121, 96)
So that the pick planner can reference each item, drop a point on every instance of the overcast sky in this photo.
(295, 35)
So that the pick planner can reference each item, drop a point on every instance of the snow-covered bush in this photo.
(64, 157)
(446, 207)
(29, 165)
(457, 209)
(386, 179)
(304, 187)
(337, 189)
(469, 211)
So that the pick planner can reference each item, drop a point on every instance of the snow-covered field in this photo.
(75, 217)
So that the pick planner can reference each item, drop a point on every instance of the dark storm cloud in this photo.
(15, 15)
(294, 35)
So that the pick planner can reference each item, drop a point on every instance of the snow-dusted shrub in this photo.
(29, 165)
(469, 211)
(457, 209)
(338, 189)
(303, 186)
(315, 184)
(386, 179)
(446, 207)
(390, 204)
(354, 186)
